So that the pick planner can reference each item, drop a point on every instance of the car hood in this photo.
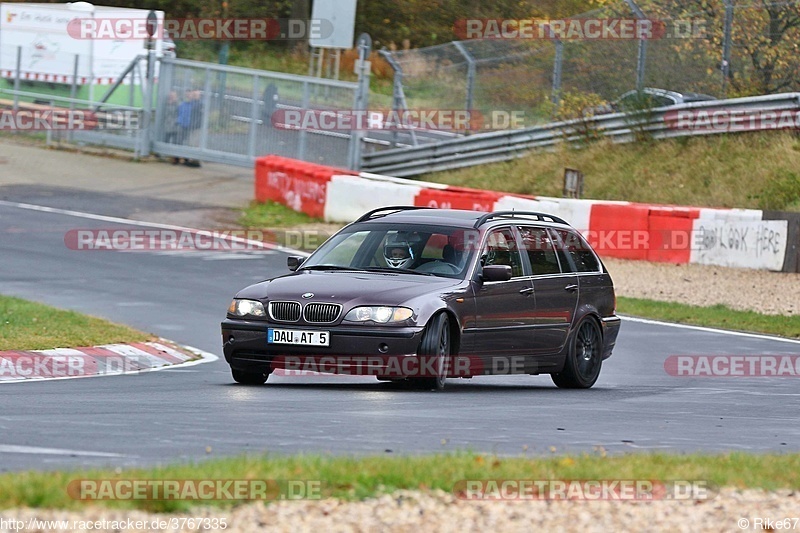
(349, 288)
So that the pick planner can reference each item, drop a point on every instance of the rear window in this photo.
(578, 250)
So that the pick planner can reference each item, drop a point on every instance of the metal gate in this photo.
(225, 114)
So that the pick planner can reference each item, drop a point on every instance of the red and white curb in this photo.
(105, 360)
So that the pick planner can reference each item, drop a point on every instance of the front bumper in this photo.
(352, 349)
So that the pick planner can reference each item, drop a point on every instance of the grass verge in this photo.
(272, 215)
(28, 325)
(286, 226)
(717, 316)
(747, 170)
(359, 478)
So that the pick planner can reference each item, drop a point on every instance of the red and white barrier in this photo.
(297, 184)
(672, 234)
(349, 197)
(61, 78)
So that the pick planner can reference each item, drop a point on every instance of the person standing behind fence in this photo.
(270, 98)
(171, 128)
(190, 119)
(184, 119)
(195, 124)
(196, 117)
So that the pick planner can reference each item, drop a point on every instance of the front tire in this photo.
(436, 345)
(249, 378)
(584, 358)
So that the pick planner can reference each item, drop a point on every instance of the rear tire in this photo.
(436, 345)
(249, 378)
(584, 358)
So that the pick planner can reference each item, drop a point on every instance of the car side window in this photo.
(501, 249)
(580, 252)
(663, 101)
(538, 244)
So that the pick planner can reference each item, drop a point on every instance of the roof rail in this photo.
(390, 209)
(542, 217)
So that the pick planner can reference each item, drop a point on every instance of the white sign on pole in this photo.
(337, 15)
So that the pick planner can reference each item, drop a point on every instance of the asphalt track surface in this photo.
(180, 414)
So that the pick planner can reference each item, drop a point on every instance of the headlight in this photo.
(381, 315)
(247, 308)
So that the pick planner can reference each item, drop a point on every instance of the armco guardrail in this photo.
(700, 118)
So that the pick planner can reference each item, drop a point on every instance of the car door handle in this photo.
(571, 288)
(527, 290)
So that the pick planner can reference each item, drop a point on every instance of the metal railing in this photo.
(231, 122)
(619, 127)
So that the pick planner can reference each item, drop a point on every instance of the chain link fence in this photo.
(227, 114)
(202, 111)
(722, 48)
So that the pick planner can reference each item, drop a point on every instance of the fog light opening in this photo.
(383, 347)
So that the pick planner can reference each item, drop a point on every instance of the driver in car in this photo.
(398, 252)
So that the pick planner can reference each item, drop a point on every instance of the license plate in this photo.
(299, 337)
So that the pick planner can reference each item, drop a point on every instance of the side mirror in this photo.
(496, 273)
(294, 262)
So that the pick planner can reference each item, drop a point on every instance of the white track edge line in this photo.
(118, 220)
(711, 330)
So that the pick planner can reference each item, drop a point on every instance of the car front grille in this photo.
(315, 313)
(284, 311)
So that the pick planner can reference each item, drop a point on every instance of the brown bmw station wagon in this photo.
(410, 293)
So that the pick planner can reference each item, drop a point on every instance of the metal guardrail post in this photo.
(470, 73)
(73, 90)
(726, 47)
(164, 88)
(206, 110)
(301, 144)
(398, 95)
(557, 64)
(147, 108)
(253, 130)
(641, 61)
(555, 95)
(361, 99)
(17, 76)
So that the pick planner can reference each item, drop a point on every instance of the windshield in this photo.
(413, 249)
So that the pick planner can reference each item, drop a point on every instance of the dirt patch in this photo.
(407, 511)
(772, 293)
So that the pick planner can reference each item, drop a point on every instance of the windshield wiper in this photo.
(398, 270)
(328, 267)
